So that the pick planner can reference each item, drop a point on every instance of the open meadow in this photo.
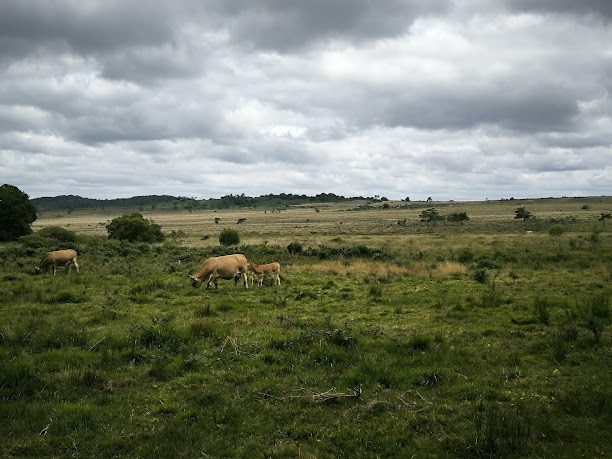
(389, 337)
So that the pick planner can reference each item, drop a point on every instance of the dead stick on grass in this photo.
(97, 343)
(329, 395)
(233, 342)
(293, 322)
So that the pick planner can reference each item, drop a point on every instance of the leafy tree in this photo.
(134, 228)
(458, 217)
(16, 213)
(229, 236)
(430, 216)
(386, 205)
(523, 213)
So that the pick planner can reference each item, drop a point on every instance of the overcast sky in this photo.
(453, 99)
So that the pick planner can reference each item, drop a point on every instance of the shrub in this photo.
(465, 256)
(229, 236)
(295, 248)
(522, 213)
(458, 217)
(430, 216)
(134, 228)
(58, 233)
(480, 275)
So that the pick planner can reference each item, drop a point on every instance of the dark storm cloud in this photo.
(598, 7)
(84, 27)
(285, 25)
(522, 109)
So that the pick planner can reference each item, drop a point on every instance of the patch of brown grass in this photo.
(371, 269)
(449, 269)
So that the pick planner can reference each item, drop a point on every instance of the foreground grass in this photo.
(476, 347)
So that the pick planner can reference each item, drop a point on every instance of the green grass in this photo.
(127, 359)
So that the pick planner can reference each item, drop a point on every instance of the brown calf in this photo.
(261, 271)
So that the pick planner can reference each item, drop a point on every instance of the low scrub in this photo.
(357, 251)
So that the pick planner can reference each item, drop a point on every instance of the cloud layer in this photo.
(451, 99)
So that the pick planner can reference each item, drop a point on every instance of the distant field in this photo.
(490, 339)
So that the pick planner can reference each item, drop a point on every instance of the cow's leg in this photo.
(246, 279)
(69, 268)
(208, 281)
(278, 279)
(54, 270)
(76, 265)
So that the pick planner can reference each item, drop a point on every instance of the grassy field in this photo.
(388, 338)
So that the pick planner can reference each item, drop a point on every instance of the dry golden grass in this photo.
(358, 268)
(380, 270)
(449, 269)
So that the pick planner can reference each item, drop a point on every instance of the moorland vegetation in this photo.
(487, 339)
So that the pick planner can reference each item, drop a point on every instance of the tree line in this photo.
(72, 202)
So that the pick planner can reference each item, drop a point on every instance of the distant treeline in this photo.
(72, 202)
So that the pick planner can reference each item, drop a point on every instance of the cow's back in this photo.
(58, 257)
(225, 265)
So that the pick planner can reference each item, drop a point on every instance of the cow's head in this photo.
(195, 282)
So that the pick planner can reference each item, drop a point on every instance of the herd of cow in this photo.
(233, 266)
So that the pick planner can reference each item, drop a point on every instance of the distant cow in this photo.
(261, 271)
(57, 258)
(225, 267)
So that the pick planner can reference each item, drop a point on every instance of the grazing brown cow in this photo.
(57, 258)
(225, 267)
(261, 271)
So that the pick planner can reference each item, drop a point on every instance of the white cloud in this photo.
(460, 100)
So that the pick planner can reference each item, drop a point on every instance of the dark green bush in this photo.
(229, 236)
(480, 275)
(295, 248)
(58, 233)
(357, 251)
(134, 228)
(465, 256)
